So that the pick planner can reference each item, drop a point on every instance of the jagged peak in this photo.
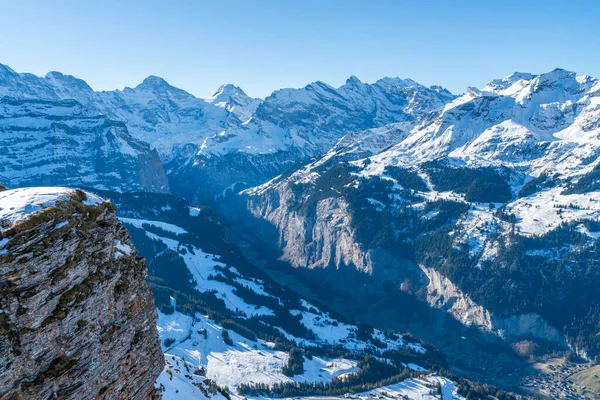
(498, 85)
(5, 69)
(319, 84)
(228, 90)
(442, 90)
(158, 85)
(473, 91)
(517, 76)
(353, 80)
(396, 82)
(556, 74)
(153, 81)
(56, 76)
(556, 77)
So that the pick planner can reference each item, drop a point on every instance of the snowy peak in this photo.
(563, 82)
(59, 79)
(158, 86)
(226, 92)
(388, 100)
(353, 81)
(557, 85)
(534, 123)
(153, 82)
(498, 85)
(394, 83)
(5, 70)
(235, 101)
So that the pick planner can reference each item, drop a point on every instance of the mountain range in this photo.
(404, 201)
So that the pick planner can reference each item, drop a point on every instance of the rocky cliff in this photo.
(77, 319)
(325, 235)
(443, 294)
(50, 143)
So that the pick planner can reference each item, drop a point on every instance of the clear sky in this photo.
(263, 45)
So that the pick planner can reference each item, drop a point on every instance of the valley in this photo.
(216, 331)
(322, 242)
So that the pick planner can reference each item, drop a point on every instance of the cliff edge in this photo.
(77, 318)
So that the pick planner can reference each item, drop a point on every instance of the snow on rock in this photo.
(18, 204)
(63, 143)
(123, 249)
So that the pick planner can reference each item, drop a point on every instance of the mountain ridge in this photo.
(198, 138)
(490, 174)
(483, 207)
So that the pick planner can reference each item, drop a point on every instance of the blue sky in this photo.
(264, 45)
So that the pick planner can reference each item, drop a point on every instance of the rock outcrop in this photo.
(443, 294)
(312, 241)
(77, 318)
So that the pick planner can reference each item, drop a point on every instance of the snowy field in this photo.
(200, 342)
(18, 204)
(199, 347)
(195, 348)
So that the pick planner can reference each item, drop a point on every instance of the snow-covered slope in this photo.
(230, 139)
(539, 123)
(502, 176)
(195, 354)
(224, 324)
(63, 143)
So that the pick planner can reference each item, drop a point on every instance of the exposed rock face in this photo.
(325, 238)
(52, 143)
(313, 241)
(442, 293)
(77, 319)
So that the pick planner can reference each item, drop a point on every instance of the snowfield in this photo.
(139, 223)
(245, 361)
(196, 352)
(18, 204)
(199, 345)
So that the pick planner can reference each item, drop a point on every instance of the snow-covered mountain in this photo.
(293, 125)
(231, 140)
(60, 142)
(545, 122)
(466, 203)
(484, 205)
(154, 111)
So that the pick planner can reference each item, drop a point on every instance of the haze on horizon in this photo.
(267, 45)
